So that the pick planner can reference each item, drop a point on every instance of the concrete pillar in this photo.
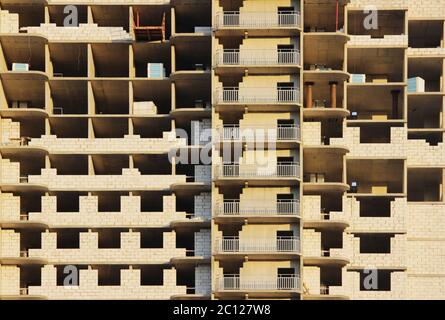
(333, 85)
(173, 20)
(173, 59)
(309, 95)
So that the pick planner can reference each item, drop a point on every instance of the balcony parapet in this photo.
(394, 148)
(235, 170)
(386, 41)
(130, 179)
(239, 208)
(108, 256)
(85, 32)
(89, 288)
(425, 52)
(258, 245)
(236, 282)
(126, 144)
(258, 133)
(266, 95)
(256, 57)
(256, 20)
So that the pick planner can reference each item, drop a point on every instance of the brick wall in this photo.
(9, 22)
(84, 32)
(203, 280)
(88, 215)
(311, 243)
(9, 243)
(416, 8)
(311, 133)
(10, 207)
(201, 132)
(10, 130)
(203, 205)
(130, 179)
(128, 144)
(88, 288)
(10, 171)
(130, 250)
(387, 40)
(203, 173)
(9, 280)
(203, 243)
(311, 280)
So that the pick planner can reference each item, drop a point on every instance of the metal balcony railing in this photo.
(277, 245)
(234, 282)
(24, 253)
(24, 179)
(260, 20)
(257, 57)
(324, 290)
(23, 291)
(281, 207)
(268, 95)
(282, 170)
(259, 133)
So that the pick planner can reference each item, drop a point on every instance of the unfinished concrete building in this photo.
(89, 185)
(326, 158)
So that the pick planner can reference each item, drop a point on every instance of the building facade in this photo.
(195, 149)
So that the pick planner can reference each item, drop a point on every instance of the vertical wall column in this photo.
(333, 88)
(173, 20)
(173, 57)
(309, 94)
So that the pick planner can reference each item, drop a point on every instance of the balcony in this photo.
(328, 293)
(236, 96)
(257, 61)
(328, 257)
(283, 173)
(252, 284)
(257, 133)
(280, 208)
(259, 248)
(258, 23)
(326, 221)
(279, 211)
(22, 257)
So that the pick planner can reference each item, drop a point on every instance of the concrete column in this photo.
(333, 85)
(173, 96)
(173, 163)
(309, 95)
(173, 20)
(47, 15)
(90, 18)
(173, 59)
(395, 103)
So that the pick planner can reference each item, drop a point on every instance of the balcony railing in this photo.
(236, 19)
(235, 208)
(277, 245)
(234, 57)
(234, 170)
(257, 95)
(234, 282)
(259, 133)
